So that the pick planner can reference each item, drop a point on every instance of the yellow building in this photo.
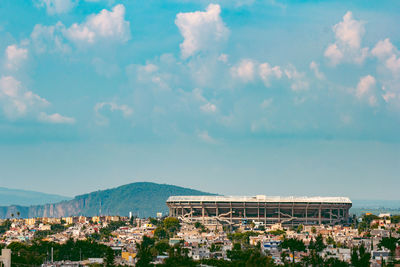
(30, 221)
(128, 256)
(68, 220)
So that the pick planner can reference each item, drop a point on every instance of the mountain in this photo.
(142, 199)
(362, 206)
(24, 197)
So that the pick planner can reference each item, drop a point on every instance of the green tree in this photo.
(293, 244)
(318, 245)
(359, 256)
(144, 254)
(160, 233)
(390, 243)
(300, 228)
(171, 224)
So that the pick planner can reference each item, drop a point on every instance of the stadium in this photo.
(261, 209)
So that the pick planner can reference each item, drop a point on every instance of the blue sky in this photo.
(233, 97)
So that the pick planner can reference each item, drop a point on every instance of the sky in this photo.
(238, 97)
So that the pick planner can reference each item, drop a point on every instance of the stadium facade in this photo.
(262, 209)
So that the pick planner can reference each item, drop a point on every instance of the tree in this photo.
(293, 244)
(313, 230)
(109, 257)
(299, 228)
(160, 233)
(317, 245)
(359, 256)
(390, 243)
(144, 254)
(171, 224)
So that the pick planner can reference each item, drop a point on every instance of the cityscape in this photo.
(199, 133)
(184, 238)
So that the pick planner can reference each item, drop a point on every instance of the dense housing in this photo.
(261, 209)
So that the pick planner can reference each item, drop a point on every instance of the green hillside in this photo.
(143, 199)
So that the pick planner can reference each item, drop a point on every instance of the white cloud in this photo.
(388, 96)
(267, 72)
(208, 108)
(15, 56)
(389, 67)
(297, 79)
(347, 46)
(366, 89)
(201, 30)
(383, 49)
(102, 120)
(104, 28)
(57, 6)
(365, 85)
(205, 137)
(393, 64)
(16, 101)
(248, 70)
(55, 118)
(245, 70)
(315, 68)
(349, 31)
(107, 26)
(49, 38)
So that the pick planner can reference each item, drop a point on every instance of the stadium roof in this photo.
(258, 198)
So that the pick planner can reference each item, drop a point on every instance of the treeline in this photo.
(38, 252)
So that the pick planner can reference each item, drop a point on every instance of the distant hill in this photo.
(24, 197)
(142, 199)
(362, 206)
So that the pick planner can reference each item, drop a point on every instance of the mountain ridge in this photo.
(11, 196)
(143, 199)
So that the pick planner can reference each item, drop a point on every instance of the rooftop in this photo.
(258, 198)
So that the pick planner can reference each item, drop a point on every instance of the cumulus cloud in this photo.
(112, 106)
(49, 39)
(16, 101)
(106, 27)
(347, 45)
(365, 85)
(315, 68)
(383, 49)
(297, 79)
(366, 88)
(208, 108)
(55, 118)
(245, 70)
(201, 30)
(248, 70)
(57, 6)
(267, 72)
(389, 67)
(15, 56)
